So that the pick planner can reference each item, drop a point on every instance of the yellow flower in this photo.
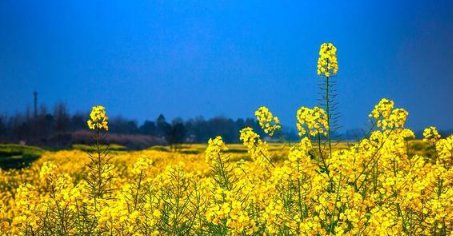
(47, 170)
(257, 148)
(312, 121)
(327, 61)
(214, 151)
(98, 119)
(267, 121)
(431, 134)
(387, 117)
(142, 164)
(444, 148)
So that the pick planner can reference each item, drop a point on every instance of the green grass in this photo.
(15, 156)
(92, 148)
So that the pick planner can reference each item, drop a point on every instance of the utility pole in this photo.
(35, 100)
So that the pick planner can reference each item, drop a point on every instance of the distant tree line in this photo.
(58, 128)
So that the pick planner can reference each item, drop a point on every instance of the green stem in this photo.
(328, 117)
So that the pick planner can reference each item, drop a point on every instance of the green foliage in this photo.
(88, 148)
(422, 148)
(15, 156)
(159, 148)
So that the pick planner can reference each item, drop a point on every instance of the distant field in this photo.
(246, 190)
(19, 156)
(147, 186)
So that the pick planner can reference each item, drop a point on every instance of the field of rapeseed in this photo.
(376, 186)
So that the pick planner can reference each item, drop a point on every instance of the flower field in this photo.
(379, 185)
(372, 187)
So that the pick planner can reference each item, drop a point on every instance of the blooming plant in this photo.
(375, 186)
(327, 61)
(431, 134)
(98, 119)
(267, 120)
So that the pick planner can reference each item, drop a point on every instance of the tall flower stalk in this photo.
(327, 68)
(100, 170)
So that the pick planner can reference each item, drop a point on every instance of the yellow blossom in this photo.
(312, 121)
(98, 119)
(268, 122)
(431, 134)
(327, 61)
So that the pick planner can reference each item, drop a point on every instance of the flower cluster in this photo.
(312, 121)
(431, 134)
(214, 150)
(257, 148)
(98, 119)
(387, 117)
(268, 122)
(444, 148)
(375, 186)
(300, 151)
(327, 61)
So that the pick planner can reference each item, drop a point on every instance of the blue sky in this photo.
(190, 58)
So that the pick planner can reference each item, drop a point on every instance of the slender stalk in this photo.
(329, 140)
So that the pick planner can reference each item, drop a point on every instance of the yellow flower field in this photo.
(370, 188)
(379, 185)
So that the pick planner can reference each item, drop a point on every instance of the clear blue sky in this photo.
(189, 58)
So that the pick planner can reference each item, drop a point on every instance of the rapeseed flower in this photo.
(268, 122)
(327, 61)
(98, 119)
(431, 134)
